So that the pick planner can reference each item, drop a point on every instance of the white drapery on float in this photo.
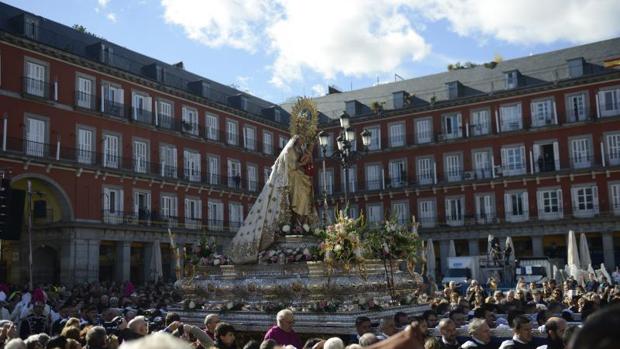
(584, 252)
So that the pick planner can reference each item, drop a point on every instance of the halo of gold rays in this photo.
(305, 120)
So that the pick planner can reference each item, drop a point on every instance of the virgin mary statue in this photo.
(287, 195)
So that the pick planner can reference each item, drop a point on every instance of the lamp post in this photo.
(344, 153)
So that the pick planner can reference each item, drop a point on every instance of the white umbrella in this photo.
(511, 257)
(156, 262)
(605, 273)
(452, 250)
(430, 258)
(573, 256)
(584, 252)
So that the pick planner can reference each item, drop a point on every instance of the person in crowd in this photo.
(401, 320)
(554, 329)
(522, 338)
(368, 339)
(600, 331)
(447, 330)
(36, 321)
(480, 335)
(136, 328)
(157, 341)
(458, 316)
(431, 343)
(96, 338)
(485, 312)
(225, 336)
(283, 332)
(333, 343)
(431, 318)
(211, 321)
(362, 325)
(387, 328)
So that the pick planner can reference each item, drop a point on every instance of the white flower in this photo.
(286, 228)
(229, 305)
(306, 228)
(192, 304)
(386, 249)
(306, 251)
(216, 261)
(338, 248)
(317, 231)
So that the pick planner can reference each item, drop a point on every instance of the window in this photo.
(329, 147)
(546, 156)
(164, 115)
(512, 79)
(113, 99)
(455, 211)
(193, 213)
(427, 213)
(277, 115)
(168, 161)
(215, 215)
(36, 130)
(235, 215)
(423, 130)
(252, 178)
(613, 148)
(397, 134)
(513, 160)
(213, 127)
(111, 151)
(35, 81)
(398, 173)
(375, 138)
(480, 122)
(373, 177)
(232, 132)
(189, 121)
(516, 206)
(400, 211)
(581, 153)
(454, 167)
(585, 201)
(141, 107)
(84, 96)
(142, 206)
(550, 204)
(485, 208)
(112, 205)
(234, 174)
(426, 171)
(510, 118)
(283, 140)
(609, 102)
(214, 170)
(328, 185)
(614, 198)
(191, 165)
(352, 184)
(576, 108)
(575, 67)
(169, 209)
(543, 113)
(267, 142)
(483, 167)
(249, 138)
(140, 156)
(452, 126)
(374, 213)
(86, 146)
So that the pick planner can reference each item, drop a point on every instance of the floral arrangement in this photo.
(287, 229)
(205, 254)
(324, 306)
(395, 241)
(342, 244)
(289, 255)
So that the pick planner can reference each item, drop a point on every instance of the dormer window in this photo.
(512, 79)
(277, 115)
(575, 67)
(31, 27)
(243, 103)
(454, 89)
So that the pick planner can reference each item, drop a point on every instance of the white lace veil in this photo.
(259, 227)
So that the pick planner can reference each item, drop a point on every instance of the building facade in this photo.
(527, 148)
(118, 148)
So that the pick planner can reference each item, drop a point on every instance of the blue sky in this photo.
(277, 49)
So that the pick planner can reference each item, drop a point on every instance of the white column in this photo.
(434, 172)
(531, 162)
(56, 90)
(598, 108)
(57, 148)
(493, 164)
(555, 114)
(467, 130)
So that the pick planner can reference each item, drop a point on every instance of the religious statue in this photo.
(286, 198)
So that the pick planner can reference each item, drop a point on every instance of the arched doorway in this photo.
(49, 201)
(45, 265)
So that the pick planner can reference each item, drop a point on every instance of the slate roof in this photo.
(535, 70)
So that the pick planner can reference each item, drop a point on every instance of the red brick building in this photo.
(119, 147)
(527, 148)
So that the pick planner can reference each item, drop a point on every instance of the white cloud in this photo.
(318, 90)
(103, 3)
(528, 21)
(219, 23)
(242, 83)
(111, 17)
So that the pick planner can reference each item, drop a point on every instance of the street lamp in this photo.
(344, 154)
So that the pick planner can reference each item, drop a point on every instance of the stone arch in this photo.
(60, 194)
(46, 266)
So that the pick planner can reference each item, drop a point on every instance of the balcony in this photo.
(191, 175)
(582, 161)
(36, 88)
(85, 100)
(141, 115)
(113, 108)
(190, 128)
(397, 140)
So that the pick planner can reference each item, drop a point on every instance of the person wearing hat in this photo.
(36, 321)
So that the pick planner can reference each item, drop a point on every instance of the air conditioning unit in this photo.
(468, 175)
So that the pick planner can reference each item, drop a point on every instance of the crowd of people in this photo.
(550, 315)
